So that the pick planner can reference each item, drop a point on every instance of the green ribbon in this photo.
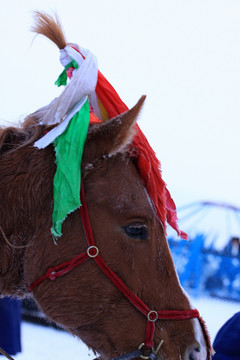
(62, 79)
(67, 180)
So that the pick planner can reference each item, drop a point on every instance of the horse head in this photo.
(129, 238)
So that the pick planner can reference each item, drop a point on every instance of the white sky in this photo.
(184, 55)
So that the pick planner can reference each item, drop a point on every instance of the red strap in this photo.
(60, 270)
(150, 330)
(138, 303)
(178, 314)
(85, 218)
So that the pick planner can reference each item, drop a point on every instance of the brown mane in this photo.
(12, 138)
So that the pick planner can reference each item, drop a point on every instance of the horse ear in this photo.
(113, 135)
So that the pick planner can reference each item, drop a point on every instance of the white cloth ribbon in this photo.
(62, 109)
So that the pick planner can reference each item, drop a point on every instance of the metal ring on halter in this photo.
(145, 357)
(155, 316)
(92, 248)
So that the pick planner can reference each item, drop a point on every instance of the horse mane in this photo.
(13, 138)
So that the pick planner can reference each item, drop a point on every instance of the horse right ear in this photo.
(113, 135)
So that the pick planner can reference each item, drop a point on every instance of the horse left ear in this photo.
(113, 135)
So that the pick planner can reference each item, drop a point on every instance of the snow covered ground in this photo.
(43, 343)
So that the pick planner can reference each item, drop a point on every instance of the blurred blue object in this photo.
(10, 325)
(226, 343)
(209, 263)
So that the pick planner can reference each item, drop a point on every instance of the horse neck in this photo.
(25, 191)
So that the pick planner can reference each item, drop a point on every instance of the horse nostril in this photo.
(195, 354)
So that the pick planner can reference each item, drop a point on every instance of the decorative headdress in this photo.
(71, 111)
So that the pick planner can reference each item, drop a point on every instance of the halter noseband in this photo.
(151, 315)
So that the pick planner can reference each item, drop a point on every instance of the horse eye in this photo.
(136, 231)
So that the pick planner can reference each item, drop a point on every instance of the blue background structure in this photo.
(202, 267)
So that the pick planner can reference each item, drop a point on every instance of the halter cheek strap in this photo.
(93, 253)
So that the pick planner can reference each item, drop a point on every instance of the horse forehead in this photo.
(120, 186)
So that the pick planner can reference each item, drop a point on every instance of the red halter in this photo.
(93, 252)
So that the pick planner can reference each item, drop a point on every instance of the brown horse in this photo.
(126, 229)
